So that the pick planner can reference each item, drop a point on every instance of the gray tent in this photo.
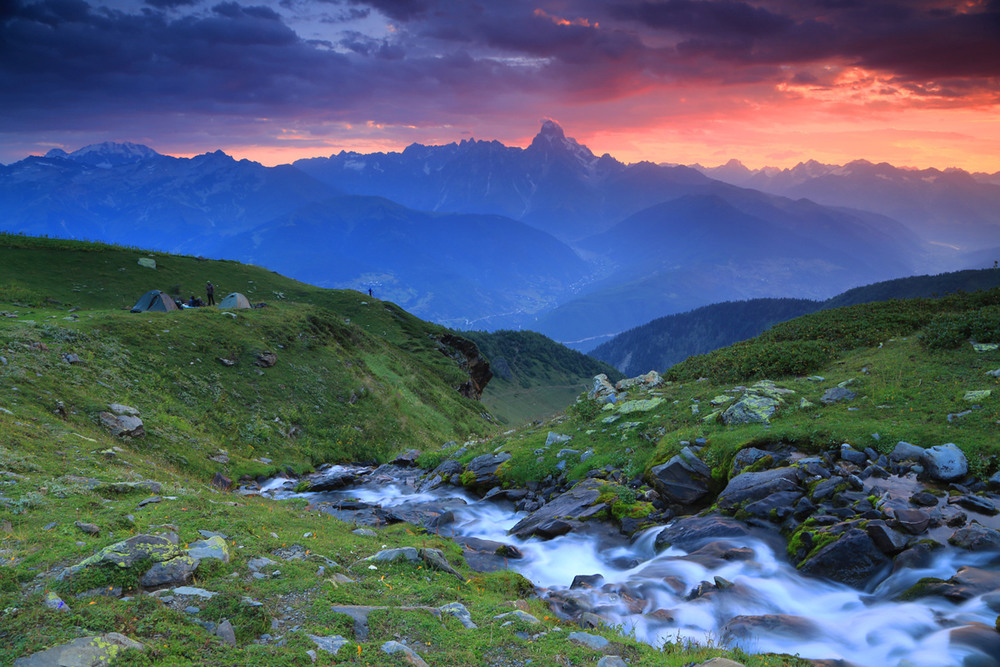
(154, 300)
(235, 300)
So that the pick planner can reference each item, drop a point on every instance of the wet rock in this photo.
(887, 540)
(482, 470)
(975, 504)
(744, 627)
(692, 532)
(913, 521)
(775, 507)
(587, 581)
(975, 537)
(752, 486)
(853, 560)
(562, 514)
(924, 499)
(333, 479)
(945, 462)
(919, 556)
(683, 479)
(852, 455)
(979, 637)
(965, 584)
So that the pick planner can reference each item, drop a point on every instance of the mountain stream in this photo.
(736, 592)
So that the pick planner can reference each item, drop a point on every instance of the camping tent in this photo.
(154, 300)
(235, 300)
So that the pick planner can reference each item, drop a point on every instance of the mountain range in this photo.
(549, 237)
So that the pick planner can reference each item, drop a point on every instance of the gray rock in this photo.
(683, 479)
(409, 655)
(193, 591)
(260, 563)
(82, 652)
(435, 559)
(401, 553)
(119, 409)
(602, 389)
(595, 642)
(913, 521)
(611, 661)
(746, 457)
(904, 451)
(776, 506)
(226, 633)
(976, 504)
(53, 601)
(519, 615)
(88, 528)
(333, 479)
(122, 425)
(837, 395)
(127, 553)
(752, 486)
(554, 438)
(458, 610)
(330, 644)
(213, 547)
(172, 572)
(945, 462)
(888, 541)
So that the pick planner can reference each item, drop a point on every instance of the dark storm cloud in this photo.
(68, 64)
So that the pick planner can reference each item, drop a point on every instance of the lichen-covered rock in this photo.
(128, 553)
(213, 547)
(750, 409)
(481, 472)
(82, 652)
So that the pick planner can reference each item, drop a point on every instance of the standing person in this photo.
(210, 292)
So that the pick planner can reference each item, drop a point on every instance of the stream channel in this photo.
(737, 591)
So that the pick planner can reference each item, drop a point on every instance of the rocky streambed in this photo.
(848, 557)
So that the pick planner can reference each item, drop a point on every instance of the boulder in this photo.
(565, 511)
(128, 553)
(602, 390)
(482, 470)
(753, 486)
(266, 359)
(335, 478)
(945, 462)
(173, 572)
(750, 409)
(853, 560)
(684, 479)
(967, 583)
(122, 426)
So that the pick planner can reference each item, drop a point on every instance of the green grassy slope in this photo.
(533, 376)
(354, 379)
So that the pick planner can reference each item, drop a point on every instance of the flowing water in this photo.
(676, 595)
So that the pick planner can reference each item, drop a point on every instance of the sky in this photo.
(768, 82)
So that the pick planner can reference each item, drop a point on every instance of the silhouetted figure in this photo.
(370, 292)
(210, 292)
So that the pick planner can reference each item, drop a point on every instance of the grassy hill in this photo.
(533, 376)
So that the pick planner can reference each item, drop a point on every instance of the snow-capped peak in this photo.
(108, 154)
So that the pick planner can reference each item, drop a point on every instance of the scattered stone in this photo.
(226, 633)
(554, 438)
(519, 615)
(213, 547)
(977, 395)
(975, 537)
(752, 486)
(409, 655)
(976, 504)
(722, 662)
(611, 661)
(88, 528)
(904, 451)
(329, 644)
(837, 395)
(222, 482)
(53, 601)
(179, 570)
(458, 610)
(72, 358)
(266, 359)
(400, 553)
(595, 642)
(913, 521)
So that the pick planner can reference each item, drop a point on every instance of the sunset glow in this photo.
(767, 82)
